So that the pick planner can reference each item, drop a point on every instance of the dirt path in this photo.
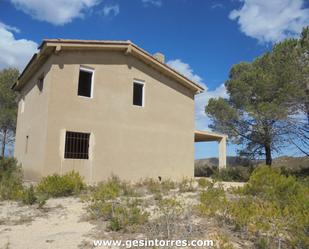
(59, 226)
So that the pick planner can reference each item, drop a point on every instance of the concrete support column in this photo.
(222, 153)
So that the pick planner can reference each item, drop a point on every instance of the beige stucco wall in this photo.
(129, 141)
(32, 120)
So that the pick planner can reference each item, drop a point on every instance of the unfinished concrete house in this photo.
(106, 107)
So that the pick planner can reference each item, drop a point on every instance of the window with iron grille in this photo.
(76, 145)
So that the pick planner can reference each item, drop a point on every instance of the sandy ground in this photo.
(59, 225)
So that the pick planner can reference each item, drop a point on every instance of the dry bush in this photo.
(120, 215)
(127, 215)
(157, 187)
(203, 183)
(115, 201)
(186, 185)
(221, 241)
(213, 201)
(152, 185)
(174, 221)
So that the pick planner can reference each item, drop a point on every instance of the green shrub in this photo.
(203, 183)
(114, 224)
(104, 203)
(304, 180)
(186, 185)
(126, 215)
(107, 190)
(170, 208)
(256, 215)
(8, 166)
(236, 173)
(29, 196)
(41, 199)
(11, 184)
(55, 185)
(269, 184)
(100, 209)
(204, 170)
(273, 204)
(212, 200)
(298, 172)
(270, 205)
(11, 187)
(112, 188)
(261, 243)
(168, 224)
(129, 190)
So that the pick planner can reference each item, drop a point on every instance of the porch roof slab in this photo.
(207, 136)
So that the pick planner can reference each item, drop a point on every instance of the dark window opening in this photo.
(84, 83)
(76, 145)
(138, 90)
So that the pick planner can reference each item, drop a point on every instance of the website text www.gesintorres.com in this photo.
(153, 243)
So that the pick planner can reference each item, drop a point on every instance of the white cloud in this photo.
(9, 28)
(14, 52)
(111, 10)
(157, 3)
(217, 6)
(57, 12)
(185, 70)
(271, 20)
(201, 100)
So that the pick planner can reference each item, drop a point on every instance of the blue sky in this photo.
(201, 38)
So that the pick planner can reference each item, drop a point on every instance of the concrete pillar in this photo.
(222, 153)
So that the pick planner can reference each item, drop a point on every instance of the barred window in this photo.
(76, 145)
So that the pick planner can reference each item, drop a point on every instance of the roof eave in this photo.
(51, 45)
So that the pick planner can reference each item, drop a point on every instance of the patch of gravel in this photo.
(58, 225)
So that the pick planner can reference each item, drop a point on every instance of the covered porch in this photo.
(207, 136)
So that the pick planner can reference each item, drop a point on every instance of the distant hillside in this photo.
(231, 161)
(296, 166)
(292, 162)
(284, 161)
